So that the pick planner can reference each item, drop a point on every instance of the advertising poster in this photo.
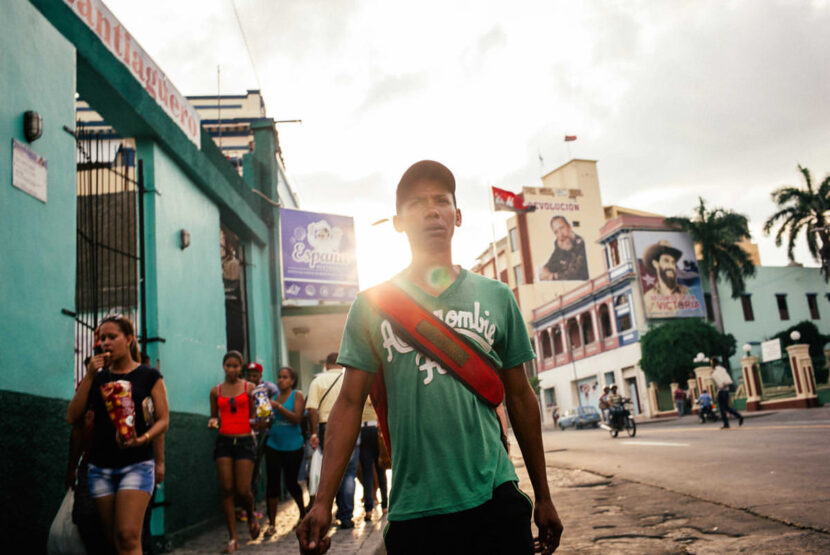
(589, 392)
(318, 256)
(557, 228)
(669, 274)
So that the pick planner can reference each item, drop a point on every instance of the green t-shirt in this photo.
(447, 454)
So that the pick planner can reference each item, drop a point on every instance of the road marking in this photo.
(658, 443)
(736, 427)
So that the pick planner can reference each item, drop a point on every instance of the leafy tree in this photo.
(804, 210)
(668, 349)
(717, 232)
(811, 335)
(534, 384)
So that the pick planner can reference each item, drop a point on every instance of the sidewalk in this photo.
(366, 538)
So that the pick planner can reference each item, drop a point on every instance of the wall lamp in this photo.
(32, 125)
(184, 239)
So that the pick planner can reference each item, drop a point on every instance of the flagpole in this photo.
(492, 204)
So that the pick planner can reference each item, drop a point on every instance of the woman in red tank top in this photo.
(231, 406)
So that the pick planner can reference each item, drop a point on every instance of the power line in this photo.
(247, 48)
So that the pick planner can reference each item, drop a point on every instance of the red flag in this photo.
(505, 200)
(569, 138)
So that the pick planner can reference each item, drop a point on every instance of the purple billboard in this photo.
(318, 256)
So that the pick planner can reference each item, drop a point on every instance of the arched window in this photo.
(558, 346)
(573, 334)
(604, 321)
(544, 339)
(623, 320)
(587, 328)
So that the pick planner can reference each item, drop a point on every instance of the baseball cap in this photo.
(254, 367)
(425, 169)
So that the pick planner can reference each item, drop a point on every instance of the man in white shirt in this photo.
(322, 393)
(723, 380)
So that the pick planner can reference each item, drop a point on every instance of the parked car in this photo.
(580, 417)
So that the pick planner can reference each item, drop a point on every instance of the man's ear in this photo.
(396, 222)
(457, 217)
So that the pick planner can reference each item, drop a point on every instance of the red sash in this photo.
(431, 337)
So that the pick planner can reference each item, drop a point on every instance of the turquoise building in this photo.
(196, 245)
(777, 298)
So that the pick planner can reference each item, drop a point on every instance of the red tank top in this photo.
(234, 422)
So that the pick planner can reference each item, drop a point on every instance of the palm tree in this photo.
(717, 232)
(804, 210)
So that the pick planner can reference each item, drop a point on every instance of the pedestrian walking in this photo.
(231, 407)
(284, 445)
(603, 403)
(123, 467)
(723, 380)
(680, 400)
(455, 489)
(322, 393)
(253, 373)
(370, 462)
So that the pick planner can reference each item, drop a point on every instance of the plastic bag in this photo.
(264, 411)
(314, 471)
(64, 538)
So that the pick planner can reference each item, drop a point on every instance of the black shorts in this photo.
(499, 526)
(237, 448)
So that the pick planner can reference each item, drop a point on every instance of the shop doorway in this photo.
(109, 229)
(236, 305)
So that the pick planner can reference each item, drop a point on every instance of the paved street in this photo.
(677, 487)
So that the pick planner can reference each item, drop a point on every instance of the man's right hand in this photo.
(314, 441)
(313, 530)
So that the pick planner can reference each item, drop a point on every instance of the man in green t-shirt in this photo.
(454, 487)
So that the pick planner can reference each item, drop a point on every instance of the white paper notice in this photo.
(28, 170)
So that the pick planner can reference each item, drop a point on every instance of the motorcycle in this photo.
(620, 419)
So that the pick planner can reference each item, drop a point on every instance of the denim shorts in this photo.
(235, 447)
(107, 481)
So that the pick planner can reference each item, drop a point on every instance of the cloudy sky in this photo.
(674, 100)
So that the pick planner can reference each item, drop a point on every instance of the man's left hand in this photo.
(550, 527)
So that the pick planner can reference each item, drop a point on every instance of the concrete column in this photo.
(595, 322)
(694, 393)
(653, 408)
(752, 382)
(803, 376)
(612, 315)
(705, 382)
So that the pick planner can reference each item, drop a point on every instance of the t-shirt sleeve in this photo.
(313, 401)
(356, 350)
(514, 348)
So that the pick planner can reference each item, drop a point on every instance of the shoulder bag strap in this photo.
(430, 336)
(340, 375)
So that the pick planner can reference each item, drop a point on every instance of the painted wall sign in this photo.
(318, 256)
(669, 275)
(28, 170)
(117, 39)
(770, 350)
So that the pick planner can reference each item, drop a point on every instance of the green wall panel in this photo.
(37, 240)
(188, 285)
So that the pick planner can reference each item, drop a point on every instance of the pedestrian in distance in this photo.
(284, 445)
(723, 380)
(231, 408)
(603, 403)
(455, 489)
(122, 470)
(322, 393)
(680, 400)
(369, 454)
(253, 373)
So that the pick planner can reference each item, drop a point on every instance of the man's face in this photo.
(428, 215)
(563, 232)
(666, 267)
(254, 377)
